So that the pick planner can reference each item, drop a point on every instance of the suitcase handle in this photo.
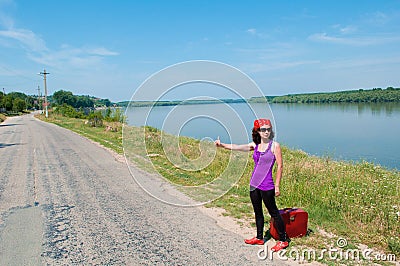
(289, 209)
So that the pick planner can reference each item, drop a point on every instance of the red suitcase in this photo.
(295, 220)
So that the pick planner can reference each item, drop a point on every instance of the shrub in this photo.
(95, 119)
(2, 118)
(115, 115)
(68, 111)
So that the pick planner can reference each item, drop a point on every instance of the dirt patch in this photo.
(229, 223)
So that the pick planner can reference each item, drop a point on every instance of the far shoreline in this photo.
(375, 95)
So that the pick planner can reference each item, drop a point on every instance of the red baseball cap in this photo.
(262, 122)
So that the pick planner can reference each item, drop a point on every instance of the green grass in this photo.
(357, 201)
(109, 139)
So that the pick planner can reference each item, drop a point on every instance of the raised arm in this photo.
(235, 147)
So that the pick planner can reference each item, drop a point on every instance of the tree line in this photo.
(16, 102)
(67, 104)
(77, 101)
(177, 102)
(389, 94)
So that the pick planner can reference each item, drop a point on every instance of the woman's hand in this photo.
(277, 192)
(218, 142)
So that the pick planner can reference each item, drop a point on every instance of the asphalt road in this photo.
(67, 201)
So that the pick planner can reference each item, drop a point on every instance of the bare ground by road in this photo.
(91, 212)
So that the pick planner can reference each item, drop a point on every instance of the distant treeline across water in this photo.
(389, 94)
(376, 95)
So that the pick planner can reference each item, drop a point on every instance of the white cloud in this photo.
(354, 41)
(252, 31)
(361, 62)
(378, 18)
(345, 29)
(101, 51)
(29, 40)
(262, 67)
(274, 51)
(37, 51)
(34, 46)
(72, 57)
(6, 21)
(256, 33)
(6, 2)
(348, 29)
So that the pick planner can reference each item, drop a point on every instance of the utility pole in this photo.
(44, 73)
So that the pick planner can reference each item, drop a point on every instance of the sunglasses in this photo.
(263, 129)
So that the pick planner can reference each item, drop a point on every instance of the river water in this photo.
(353, 132)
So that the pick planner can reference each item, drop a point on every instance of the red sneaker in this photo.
(280, 245)
(254, 241)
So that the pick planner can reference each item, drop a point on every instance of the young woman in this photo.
(262, 187)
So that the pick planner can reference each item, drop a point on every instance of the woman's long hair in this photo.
(257, 138)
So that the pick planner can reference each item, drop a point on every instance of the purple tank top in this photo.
(261, 177)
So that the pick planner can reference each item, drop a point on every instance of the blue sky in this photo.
(108, 48)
